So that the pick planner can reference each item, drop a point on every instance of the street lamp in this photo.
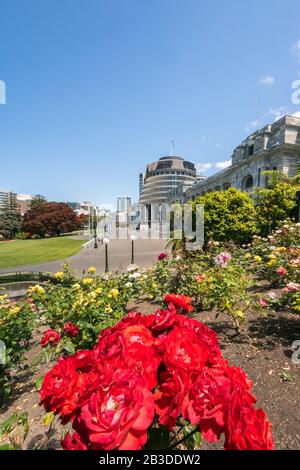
(95, 228)
(106, 242)
(132, 238)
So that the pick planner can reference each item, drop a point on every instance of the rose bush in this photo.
(79, 309)
(154, 374)
(17, 322)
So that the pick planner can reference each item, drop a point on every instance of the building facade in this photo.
(274, 147)
(8, 199)
(23, 203)
(164, 176)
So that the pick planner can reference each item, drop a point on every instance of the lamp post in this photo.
(106, 242)
(132, 238)
(95, 229)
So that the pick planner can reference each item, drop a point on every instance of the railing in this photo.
(25, 276)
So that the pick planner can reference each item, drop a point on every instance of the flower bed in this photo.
(154, 380)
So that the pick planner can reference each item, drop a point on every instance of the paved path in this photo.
(119, 257)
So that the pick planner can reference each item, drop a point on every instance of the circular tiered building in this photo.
(164, 176)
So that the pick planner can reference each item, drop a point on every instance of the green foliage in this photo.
(197, 276)
(36, 200)
(17, 424)
(91, 304)
(10, 221)
(228, 216)
(17, 321)
(279, 250)
(274, 204)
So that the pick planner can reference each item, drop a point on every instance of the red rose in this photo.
(182, 302)
(70, 383)
(281, 271)
(50, 337)
(245, 427)
(184, 350)
(118, 417)
(205, 335)
(169, 396)
(144, 360)
(162, 256)
(206, 401)
(59, 386)
(138, 334)
(71, 329)
(162, 320)
(73, 442)
(109, 352)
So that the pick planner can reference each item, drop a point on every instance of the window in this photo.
(251, 150)
(258, 177)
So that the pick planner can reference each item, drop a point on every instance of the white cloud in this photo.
(278, 113)
(268, 80)
(223, 164)
(296, 114)
(204, 167)
(296, 49)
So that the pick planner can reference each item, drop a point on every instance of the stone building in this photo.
(274, 147)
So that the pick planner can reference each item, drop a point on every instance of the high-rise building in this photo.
(141, 183)
(8, 199)
(123, 204)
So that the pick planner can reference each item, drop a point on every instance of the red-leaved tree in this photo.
(52, 218)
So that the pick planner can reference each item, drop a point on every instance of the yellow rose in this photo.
(257, 259)
(271, 262)
(154, 285)
(108, 309)
(99, 290)
(37, 289)
(59, 275)
(248, 255)
(92, 270)
(76, 286)
(15, 310)
(114, 293)
(87, 281)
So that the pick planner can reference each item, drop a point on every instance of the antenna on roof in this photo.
(172, 148)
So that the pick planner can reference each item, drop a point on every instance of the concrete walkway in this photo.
(119, 257)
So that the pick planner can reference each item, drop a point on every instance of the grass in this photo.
(23, 252)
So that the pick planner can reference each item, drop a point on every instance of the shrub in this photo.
(228, 216)
(90, 304)
(17, 321)
(274, 205)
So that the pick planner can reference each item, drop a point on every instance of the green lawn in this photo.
(22, 252)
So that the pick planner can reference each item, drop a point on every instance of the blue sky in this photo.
(98, 88)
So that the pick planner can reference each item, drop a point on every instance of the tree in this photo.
(276, 203)
(52, 218)
(228, 216)
(10, 221)
(36, 200)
